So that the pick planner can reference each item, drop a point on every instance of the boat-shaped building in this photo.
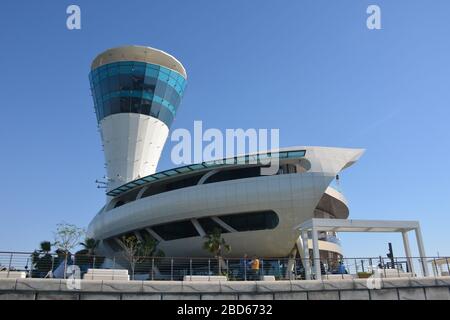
(137, 91)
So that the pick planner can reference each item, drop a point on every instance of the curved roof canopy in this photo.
(139, 53)
(228, 162)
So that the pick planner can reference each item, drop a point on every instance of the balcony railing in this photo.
(47, 265)
(330, 238)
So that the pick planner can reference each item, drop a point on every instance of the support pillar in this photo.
(316, 254)
(306, 263)
(290, 272)
(408, 252)
(422, 252)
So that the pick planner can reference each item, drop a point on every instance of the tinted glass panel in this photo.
(124, 104)
(208, 225)
(119, 204)
(146, 235)
(176, 230)
(226, 175)
(137, 85)
(164, 187)
(114, 104)
(251, 221)
(114, 245)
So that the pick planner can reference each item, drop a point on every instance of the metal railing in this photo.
(330, 238)
(49, 265)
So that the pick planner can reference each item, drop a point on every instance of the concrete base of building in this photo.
(344, 289)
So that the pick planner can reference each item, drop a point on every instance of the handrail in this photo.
(28, 264)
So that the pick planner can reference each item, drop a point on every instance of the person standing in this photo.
(341, 268)
(254, 264)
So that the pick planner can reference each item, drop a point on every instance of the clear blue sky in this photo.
(310, 68)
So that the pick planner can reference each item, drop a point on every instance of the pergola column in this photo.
(316, 254)
(408, 251)
(306, 264)
(421, 251)
(343, 225)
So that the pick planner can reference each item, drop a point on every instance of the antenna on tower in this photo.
(102, 184)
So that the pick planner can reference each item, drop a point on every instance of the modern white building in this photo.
(137, 91)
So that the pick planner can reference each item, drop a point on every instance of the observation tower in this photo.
(136, 92)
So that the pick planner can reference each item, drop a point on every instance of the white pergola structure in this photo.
(343, 225)
(438, 266)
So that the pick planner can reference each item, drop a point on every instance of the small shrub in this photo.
(364, 275)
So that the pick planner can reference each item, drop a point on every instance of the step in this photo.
(108, 271)
(105, 277)
(267, 278)
(205, 278)
(12, 274)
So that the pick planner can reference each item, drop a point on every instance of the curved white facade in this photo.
(293, 197)
(132, 144)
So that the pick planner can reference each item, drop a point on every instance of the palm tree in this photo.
(86, 258)
(41, 259)
(216, 244)
(45, 247)
(89, 245)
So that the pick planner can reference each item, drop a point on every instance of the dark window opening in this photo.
(208, 225)
(287, 168)
(261, 220)
(114, 245)
(251, 221)
(119, 204)
(146, 235)
(165, 187)
(176, 230)
(227, 175)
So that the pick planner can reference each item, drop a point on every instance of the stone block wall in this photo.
(358, 289)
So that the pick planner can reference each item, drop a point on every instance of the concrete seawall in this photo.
(389, 289)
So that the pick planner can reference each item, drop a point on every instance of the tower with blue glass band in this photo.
(136, 91)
